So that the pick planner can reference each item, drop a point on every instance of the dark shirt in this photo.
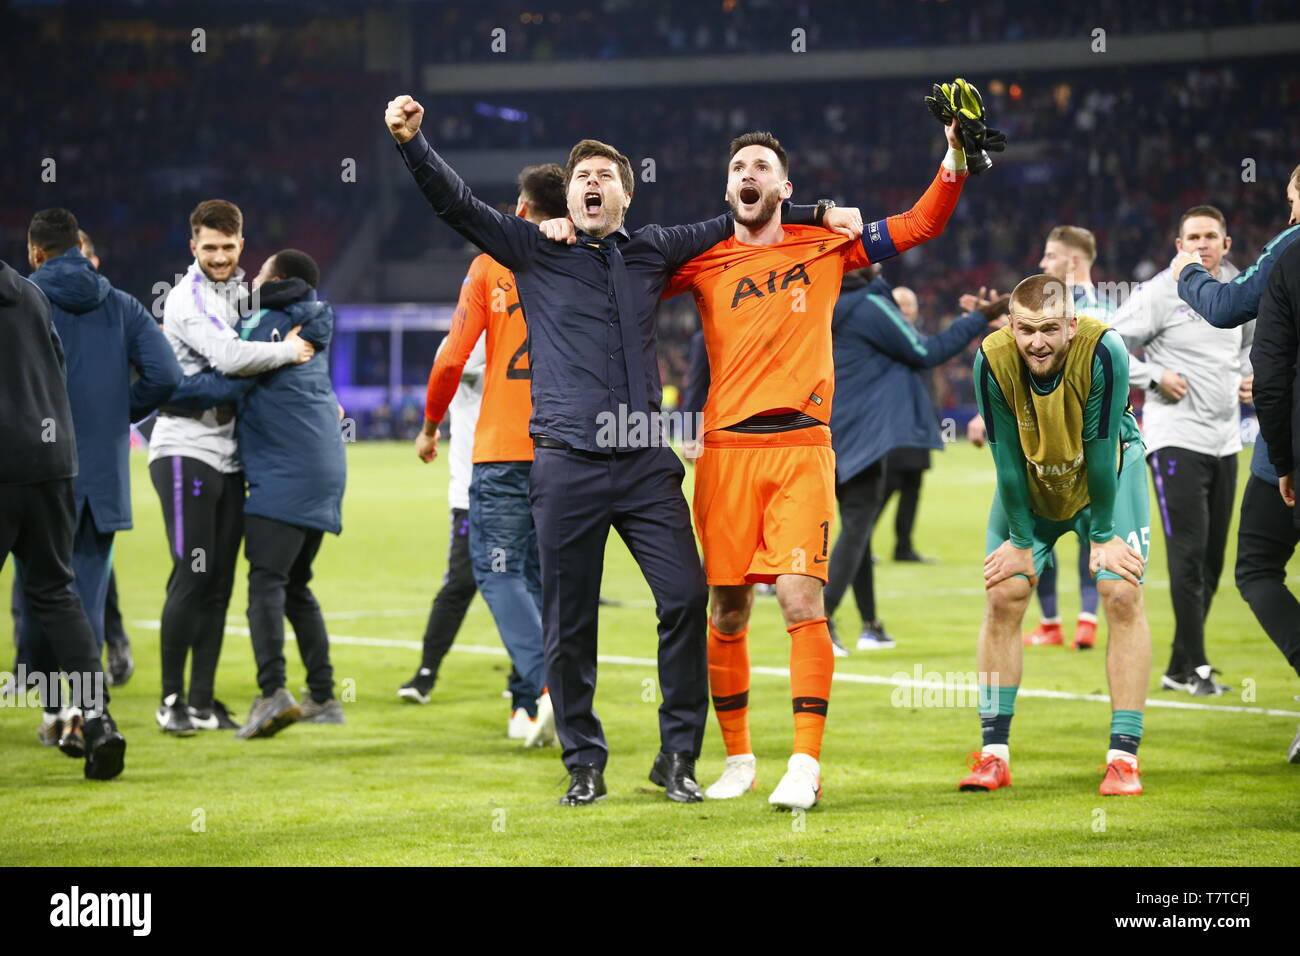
(37, 436)
(1275, 355)
(581, 309)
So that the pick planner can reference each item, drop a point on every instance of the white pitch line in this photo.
(358, 641)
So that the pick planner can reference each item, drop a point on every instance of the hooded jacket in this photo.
(105, 334)
(286, 420)
(881, 402)
(36, 431)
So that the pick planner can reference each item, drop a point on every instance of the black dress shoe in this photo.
(586, 785)
(912, 557)
(676, 774)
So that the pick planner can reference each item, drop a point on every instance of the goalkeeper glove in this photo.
(962, 100)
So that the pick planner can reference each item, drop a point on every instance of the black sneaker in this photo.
(874, 637)
(174, 717)
(105, 748)
(270, 715)
(121, 665)
(418, 688)
(1203, 684)
(216, 717)
(838, 649)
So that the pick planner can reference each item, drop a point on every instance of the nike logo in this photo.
(819, 560)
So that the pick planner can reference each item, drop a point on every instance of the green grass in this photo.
(440, 784)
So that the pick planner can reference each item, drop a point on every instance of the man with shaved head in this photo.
(1053, 389)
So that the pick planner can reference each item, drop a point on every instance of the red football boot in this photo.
(988, 772)
(1085, 635)
(1121, 778)
(1045, 634)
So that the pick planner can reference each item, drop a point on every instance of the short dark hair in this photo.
(543, 187)
(218, 214)
(54, 230)
(296, 264)
(586, 149)
(1042, 293)
(761, 138)
(1212, 211)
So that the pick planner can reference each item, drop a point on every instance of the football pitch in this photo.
(441, 784)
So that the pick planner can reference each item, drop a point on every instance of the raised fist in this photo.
(403, 117)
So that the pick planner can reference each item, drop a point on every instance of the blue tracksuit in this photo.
(881, 402)
(106, 334)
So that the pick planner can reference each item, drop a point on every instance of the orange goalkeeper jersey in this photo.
(767, 309)
(489, 301)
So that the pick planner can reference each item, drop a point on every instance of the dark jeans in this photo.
(453, 598)
(576, 499)
(279, 569)
(1266, 539)
(503, 554)
(203, 513)
(37, 525)
(860, 498)
(1195, 493)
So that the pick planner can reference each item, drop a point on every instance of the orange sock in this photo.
(812, 662)
(729, 685)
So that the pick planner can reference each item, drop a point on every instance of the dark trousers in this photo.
(453, 598)
(279, 569)
(576, 499)
(1195, 493)
(92, 554)
(860, 498)
(37, 525)
(114, 631)
(203, 513)
(904, 469)
(1266, 538)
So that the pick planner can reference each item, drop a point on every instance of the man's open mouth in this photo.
(591, 203)
(749, 195)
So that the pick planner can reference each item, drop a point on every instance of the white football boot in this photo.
(541, 732)
(736, 780)
(801, 787)
(520, 725)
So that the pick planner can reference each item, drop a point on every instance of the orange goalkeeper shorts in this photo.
(764, 504)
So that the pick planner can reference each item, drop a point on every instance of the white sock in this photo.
(734, 759)
(1121, 755)
(1001, 751)
(1085, 616)
(1051, 620)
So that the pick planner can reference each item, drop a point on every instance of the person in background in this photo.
(106, 336)
(458, 587)
(1196, 377)
(287, 429)
(883, 404)
(906, 465)
(38, 514)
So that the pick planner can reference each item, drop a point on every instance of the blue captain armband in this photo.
(877, 241)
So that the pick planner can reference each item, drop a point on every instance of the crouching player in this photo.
(1053, 390)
